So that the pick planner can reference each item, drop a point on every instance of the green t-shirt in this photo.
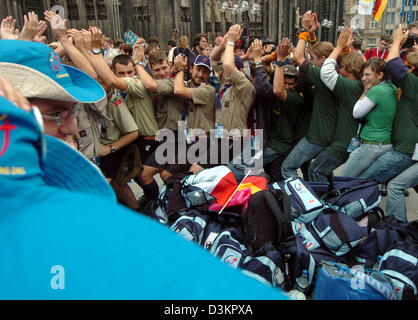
(300, 114)
(348, 92)
(379, 120)
(324, 110)
(281, 133)
(405, 125)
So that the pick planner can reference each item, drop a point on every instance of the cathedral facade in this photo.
(271, 19)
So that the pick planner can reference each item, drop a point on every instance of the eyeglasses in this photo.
(60, 117)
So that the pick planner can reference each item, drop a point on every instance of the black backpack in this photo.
(267, 219)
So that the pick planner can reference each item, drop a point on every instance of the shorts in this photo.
(110, 164)
(147, 150)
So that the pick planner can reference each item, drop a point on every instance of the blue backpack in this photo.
(386, 233)
(305, 204)
(339, 232)
(336, 281)
(190, 226)
(266, 265)
(353, 196)
(400, 264)
(229, 248)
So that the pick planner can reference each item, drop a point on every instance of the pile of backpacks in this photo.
(313, 240)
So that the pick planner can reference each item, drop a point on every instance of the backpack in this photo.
(266, 266)
(229, 248)
(190, 226)
(305, 204)
(339, 232)
(356, 197)
(386, 233)
(266, 219)
(297, 261)
(337, 281)
(400, 264)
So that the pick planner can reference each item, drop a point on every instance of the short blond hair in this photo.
(322, 49)
(352, 63)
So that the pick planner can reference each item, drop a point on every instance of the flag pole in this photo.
(249, 170)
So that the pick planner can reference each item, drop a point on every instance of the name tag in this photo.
(190, 138)
(219, 130)
(354, 144)
(255, 143)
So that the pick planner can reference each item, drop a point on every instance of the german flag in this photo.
(379, 9)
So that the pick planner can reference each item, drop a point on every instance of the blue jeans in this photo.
(248, 159)
(301, 153)
(395, 203)
(362, 158)
(388, 166)
(272, 162)
(323, 166)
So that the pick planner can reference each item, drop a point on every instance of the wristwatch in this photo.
(96, 50)
(112, 149)
(140, 63)
(281, 63)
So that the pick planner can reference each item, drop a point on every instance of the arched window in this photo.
(90, 10)
(72, 7)
(101, 9)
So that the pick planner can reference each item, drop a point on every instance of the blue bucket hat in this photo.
(24, 156)
(37, 72)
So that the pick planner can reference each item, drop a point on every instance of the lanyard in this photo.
(377, 53)
(220, 99)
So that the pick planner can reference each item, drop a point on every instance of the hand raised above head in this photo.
(283, 49)
(30, 27)
(7, 29)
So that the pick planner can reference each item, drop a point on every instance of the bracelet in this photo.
(230, 43)
(258, 64)
(140, 63)
(312, 41)
(304, 35)
(347, 50)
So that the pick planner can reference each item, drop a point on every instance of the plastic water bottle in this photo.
(296, 295)
(302, 282)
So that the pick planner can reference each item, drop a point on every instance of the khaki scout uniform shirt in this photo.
(89, 126)
(118, 121)
(169, 107)
(237, 100)
(201, 113)
(140, 104)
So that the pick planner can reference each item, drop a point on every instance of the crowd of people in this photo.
(319, 106)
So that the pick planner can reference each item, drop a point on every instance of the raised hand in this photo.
(78, 38)
(180, 63)
(400, 35)
(234, 33)
(345, 39)
(58, 25)
(7, 29)
(30, 27)
(283, 49)
(139, 51)
(257, 48)
(96, 38)
(39, 37)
